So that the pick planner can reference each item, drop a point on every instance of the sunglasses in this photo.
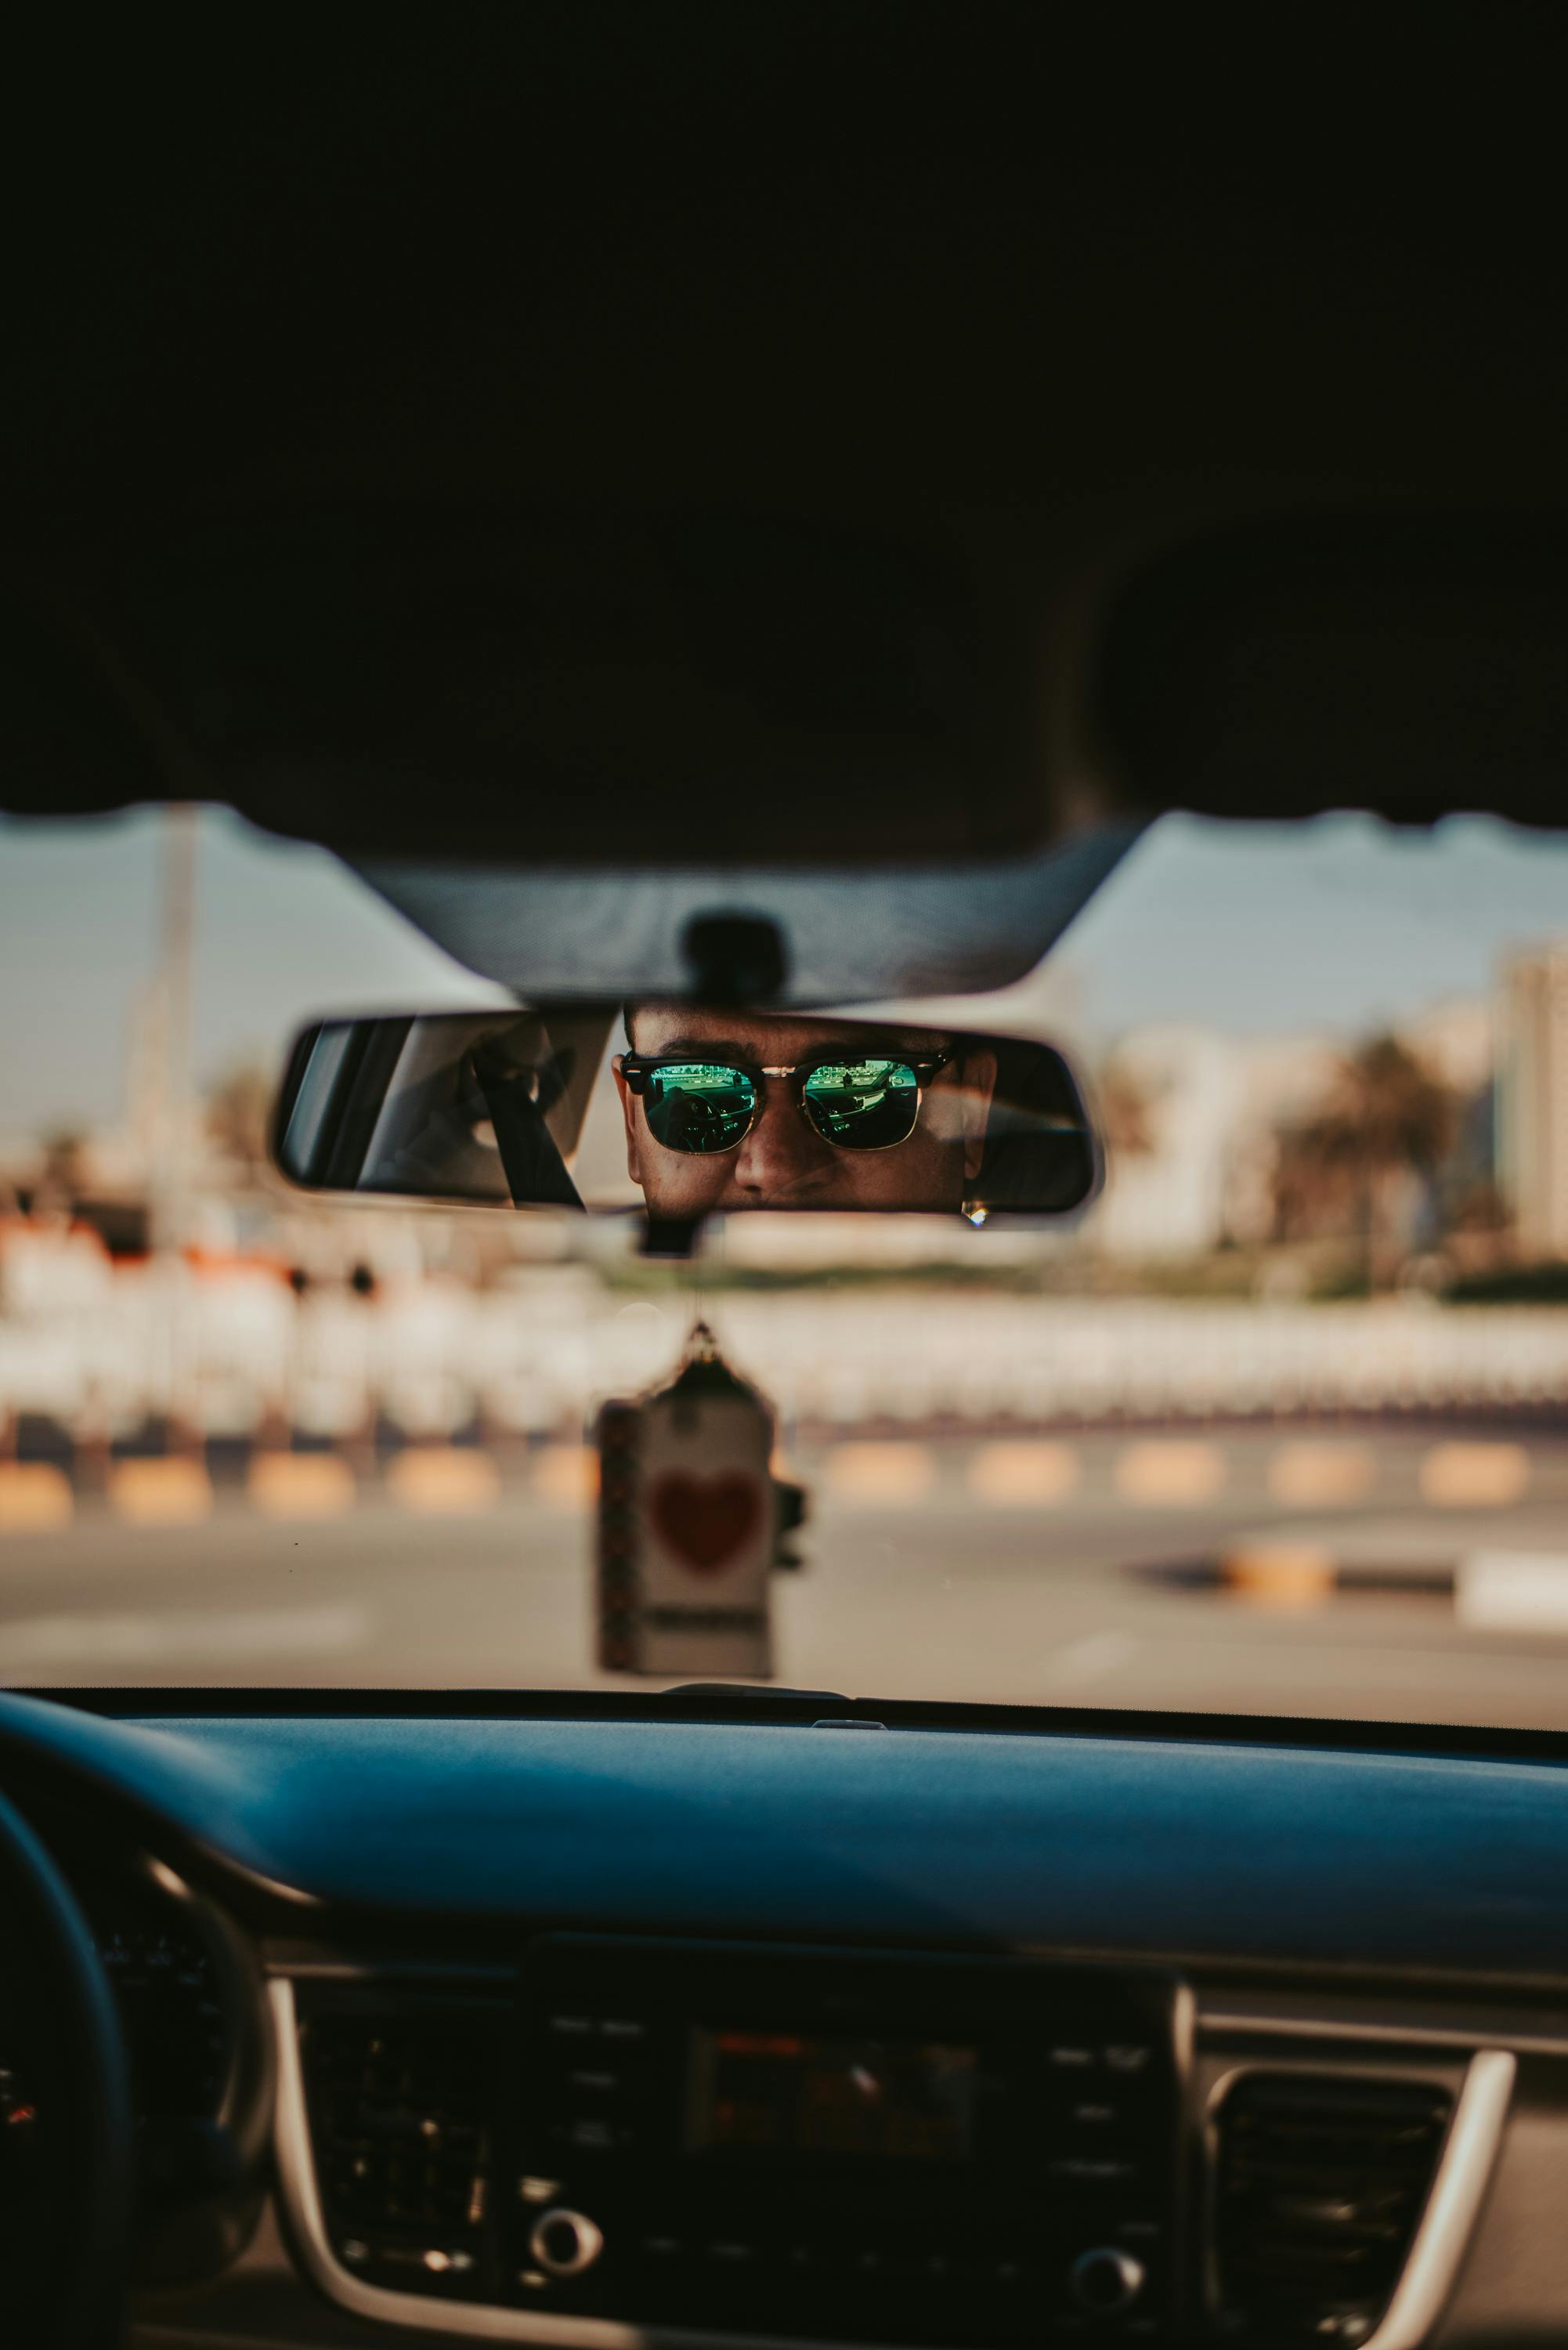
(705, 1107)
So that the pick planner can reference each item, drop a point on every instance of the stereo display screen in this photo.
(776, 2093)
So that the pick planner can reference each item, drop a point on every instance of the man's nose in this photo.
(783, 1152)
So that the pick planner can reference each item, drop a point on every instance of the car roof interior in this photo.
(707, 394)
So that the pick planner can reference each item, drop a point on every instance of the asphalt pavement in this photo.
(1112, 1571)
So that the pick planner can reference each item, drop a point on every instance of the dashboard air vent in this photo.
(400, 2126)
(1320, 2185)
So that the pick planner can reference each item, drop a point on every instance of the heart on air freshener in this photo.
(704, 1520)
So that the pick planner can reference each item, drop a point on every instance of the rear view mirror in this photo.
(684, 1111)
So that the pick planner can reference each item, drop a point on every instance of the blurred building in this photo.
(1201, 1171)
(1164, 1192)
(1532, 1098)
(1457, 1041)
(1198, 1169)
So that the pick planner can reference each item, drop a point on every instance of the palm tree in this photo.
(1384, 1127)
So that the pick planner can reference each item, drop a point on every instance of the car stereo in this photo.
(846, 2148)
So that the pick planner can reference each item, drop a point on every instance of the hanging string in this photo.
(702, 1347)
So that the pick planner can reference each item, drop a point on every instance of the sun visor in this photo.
(794, 938)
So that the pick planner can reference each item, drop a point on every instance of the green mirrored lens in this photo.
(863, 1105)
(699, 1105)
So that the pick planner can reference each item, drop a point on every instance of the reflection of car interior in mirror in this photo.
(704, 1112)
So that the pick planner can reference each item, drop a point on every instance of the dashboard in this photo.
(607, 2026)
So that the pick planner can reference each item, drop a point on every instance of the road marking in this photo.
(871, 1473)
(566, 1476)
(167, 1490)
(34, 1494)
(443, 1481)
(104, 1640)
(301, 1484)
(1019, 1475)
(1178, 1475)
(1308, 1475)
(1475, 1476)
(1511, 1591)
(1291, 1579)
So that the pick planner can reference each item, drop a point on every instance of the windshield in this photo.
(1278, 1424)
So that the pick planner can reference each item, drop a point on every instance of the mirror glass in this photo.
(686, 1111)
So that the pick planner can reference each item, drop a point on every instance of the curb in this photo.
(1486, 1590)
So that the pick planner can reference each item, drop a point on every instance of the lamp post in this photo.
(168, 1204)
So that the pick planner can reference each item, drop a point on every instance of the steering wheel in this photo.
(65, 2112)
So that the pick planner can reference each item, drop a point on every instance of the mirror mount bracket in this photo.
(670, 1236)
(735, 959)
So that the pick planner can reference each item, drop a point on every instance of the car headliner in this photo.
(827, 435)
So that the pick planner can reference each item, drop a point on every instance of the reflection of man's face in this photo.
(781, 1161)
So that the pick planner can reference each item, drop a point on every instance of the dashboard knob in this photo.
(1106, 2280)
(564, 2244)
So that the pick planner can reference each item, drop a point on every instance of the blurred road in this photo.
(1110, 1570)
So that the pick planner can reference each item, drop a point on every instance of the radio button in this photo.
(564, 2244)
(1132, 2060)
(1106, 2280)
(1141, 2231)
(1093, 2170)
(596, 2137)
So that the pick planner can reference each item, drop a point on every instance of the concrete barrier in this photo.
(880, 1476)
(34, 1495)
(1022, 1474)
(443, 1481)
(301, 1485)
(1180, 1474)
(1475, 1476)
(164, 1489)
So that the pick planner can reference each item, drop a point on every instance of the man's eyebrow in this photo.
(882, 1044)
(873, 1044)
(703, 1049)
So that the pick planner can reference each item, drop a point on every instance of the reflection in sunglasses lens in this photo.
(863, 1105)
(700, 1107)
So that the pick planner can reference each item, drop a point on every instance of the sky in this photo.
(1341, 925)
(1344, 924)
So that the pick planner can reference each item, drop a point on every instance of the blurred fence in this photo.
(236, 1353)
